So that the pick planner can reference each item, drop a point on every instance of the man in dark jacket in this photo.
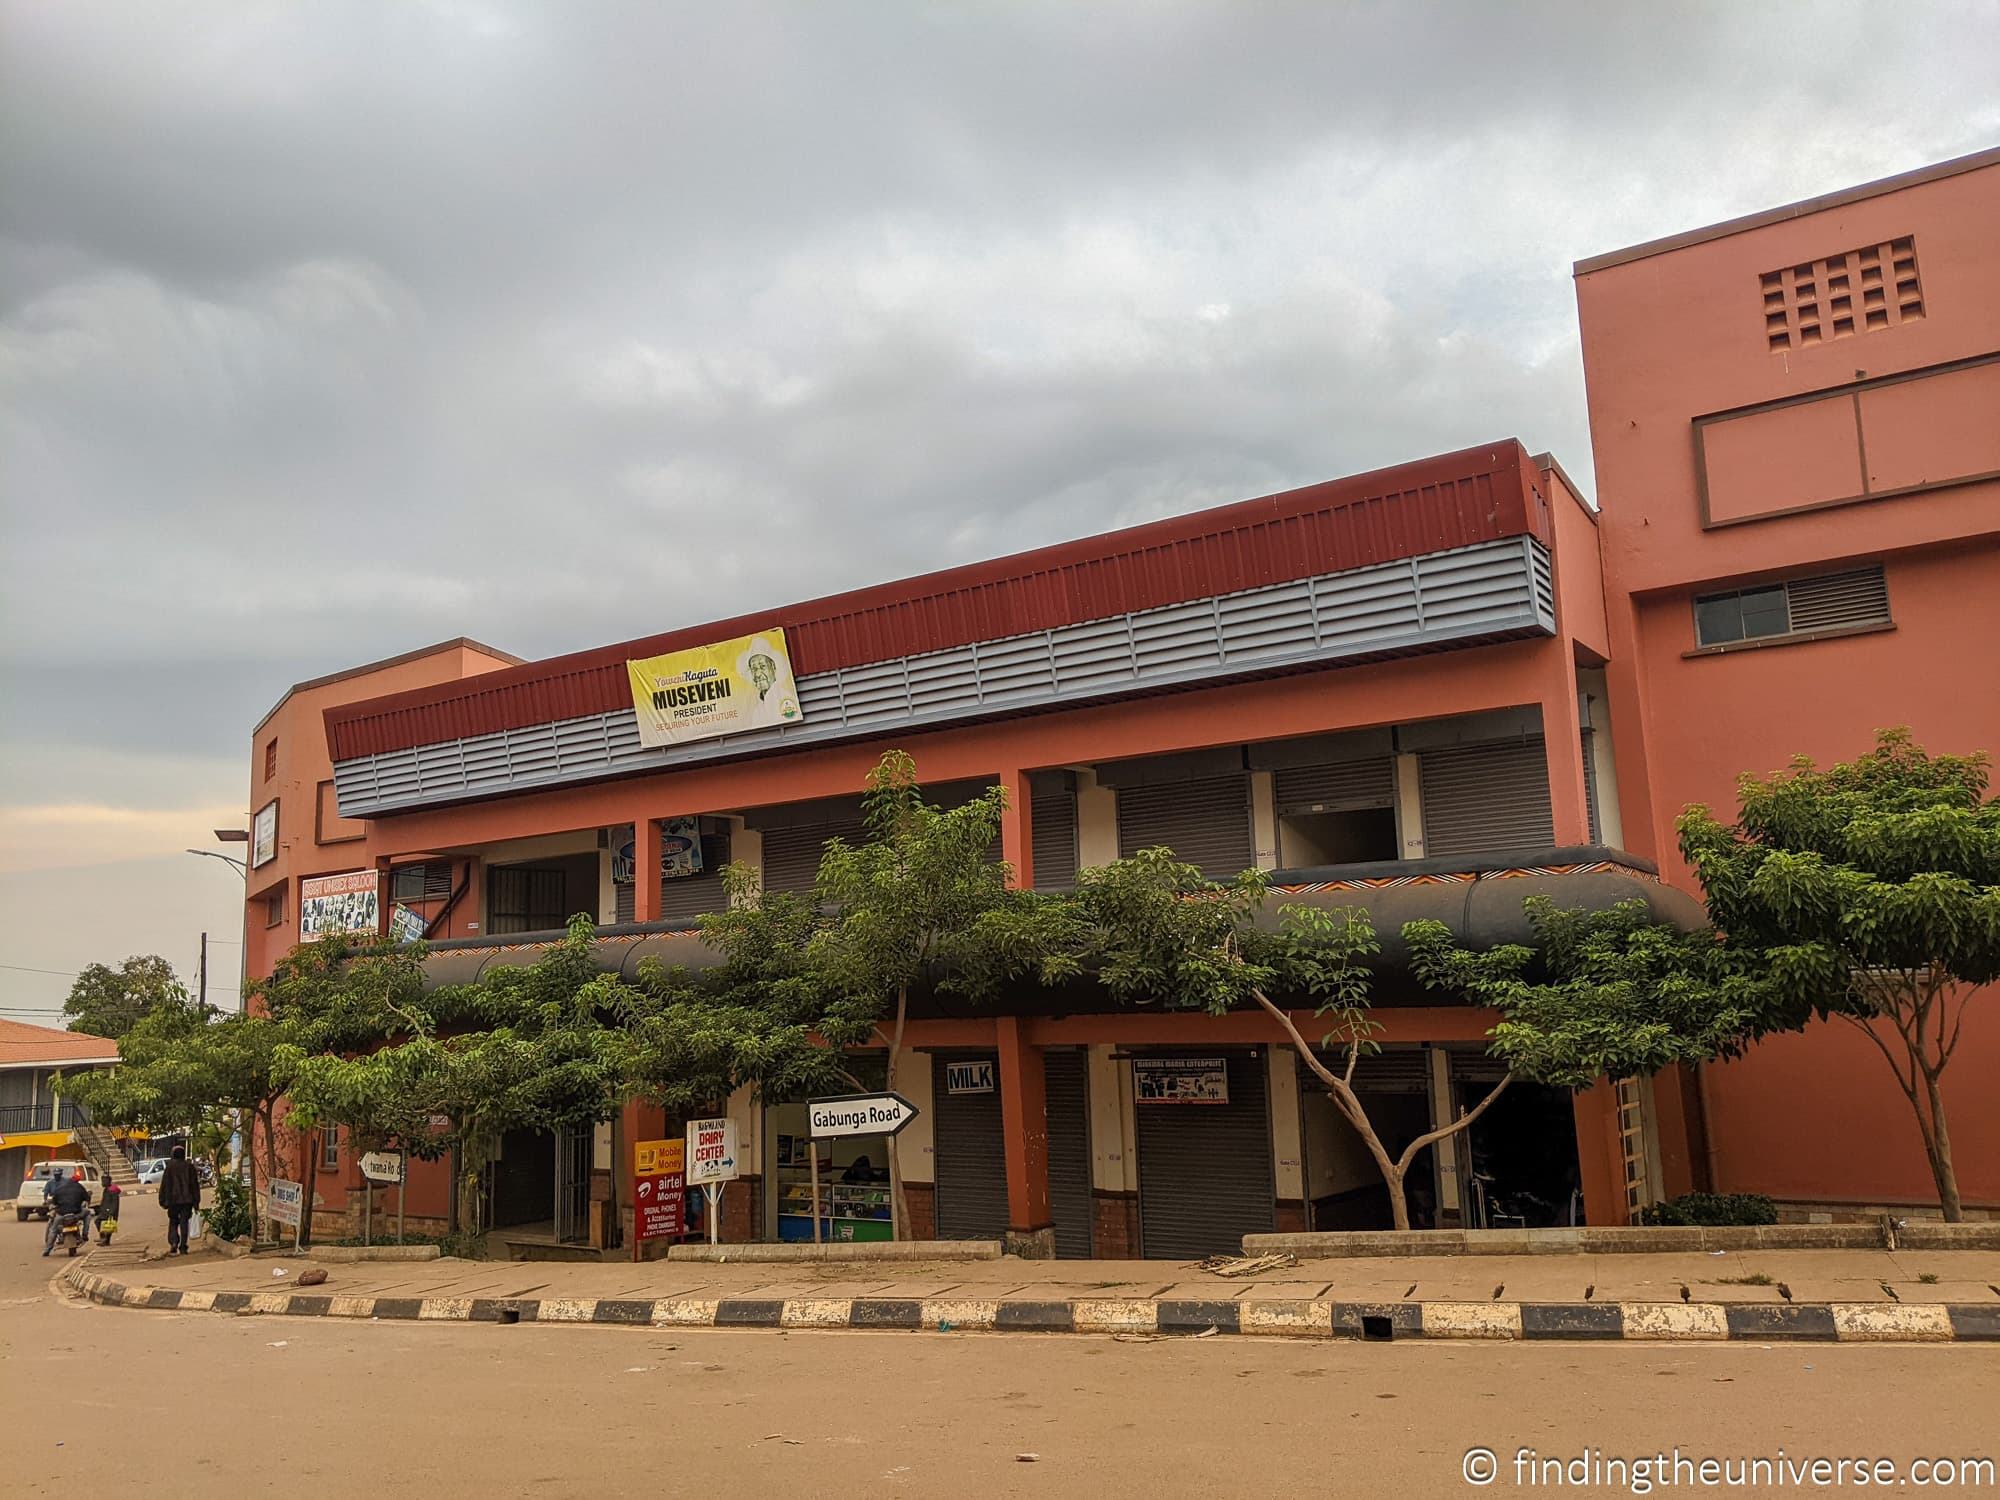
(180, 1196)
(65, 1196)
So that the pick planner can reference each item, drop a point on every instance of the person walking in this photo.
(180, 1196)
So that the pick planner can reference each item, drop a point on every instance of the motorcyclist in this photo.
(65, 1196)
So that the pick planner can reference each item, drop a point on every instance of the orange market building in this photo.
(1430, 690)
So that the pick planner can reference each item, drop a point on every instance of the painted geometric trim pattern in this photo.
(1466, 877)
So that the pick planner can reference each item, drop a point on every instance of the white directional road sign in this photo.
(859, 1114)
(382, 1166)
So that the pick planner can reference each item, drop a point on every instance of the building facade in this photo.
(1796, 419)
(1431, 690)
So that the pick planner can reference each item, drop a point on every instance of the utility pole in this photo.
(201, 1000)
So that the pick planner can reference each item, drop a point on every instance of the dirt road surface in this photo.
(172, 1404)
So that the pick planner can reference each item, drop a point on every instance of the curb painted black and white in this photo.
(1823, 1322)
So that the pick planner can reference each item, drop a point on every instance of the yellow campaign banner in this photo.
(726, 688)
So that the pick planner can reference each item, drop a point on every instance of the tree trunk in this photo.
(899, 1207)
(1943, 1169)
(306, 1164)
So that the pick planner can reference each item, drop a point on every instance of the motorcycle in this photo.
(69, 1231)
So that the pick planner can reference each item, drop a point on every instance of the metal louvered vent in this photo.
(1834, 600)
(1467, 596)
(1052, 821)
(1206, 823)
(1481, 798)
(1338, 788)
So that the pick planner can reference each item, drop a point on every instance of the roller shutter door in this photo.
(970, 1156)
(1394, 1070)
(1205, 1169)
(1052, 822)
(1071, 1204)
(1481, 799)
(696, 896)
(1206, 823)
(1346, 787)
(791, 855)
(683, 900)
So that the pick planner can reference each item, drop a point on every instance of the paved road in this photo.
(200, 1405)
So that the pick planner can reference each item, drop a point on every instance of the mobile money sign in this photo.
(659, 1190)
(705, 691)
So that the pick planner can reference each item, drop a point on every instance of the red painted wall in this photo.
(1680, 335)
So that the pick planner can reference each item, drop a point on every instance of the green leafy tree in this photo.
(191, 1070)
(1868, 893)
(109, 1002)
(1606, 994)
(901, 910)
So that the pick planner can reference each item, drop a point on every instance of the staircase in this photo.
(102, 1148)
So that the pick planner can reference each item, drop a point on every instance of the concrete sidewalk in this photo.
(1754, 1294)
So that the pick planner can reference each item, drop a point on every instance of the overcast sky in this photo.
(327, 331)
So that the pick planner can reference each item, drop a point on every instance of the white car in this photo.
(150, 1170)
(29, 1202)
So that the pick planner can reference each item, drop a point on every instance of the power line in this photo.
(24, 969)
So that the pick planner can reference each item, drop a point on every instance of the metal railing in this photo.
(46, 1115)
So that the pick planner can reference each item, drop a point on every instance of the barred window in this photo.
(1801, 607)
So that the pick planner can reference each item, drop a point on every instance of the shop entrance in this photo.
(1204, 1139)
(854, 1196)
(969, 1146)
(1523, 1155)
(1344, 1187)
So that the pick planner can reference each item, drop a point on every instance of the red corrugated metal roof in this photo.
(1454, 500)
(22, 1046)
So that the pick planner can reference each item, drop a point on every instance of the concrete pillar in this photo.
(1603, 767)
(1451, 1196)
(383, 905)
(1017, 831)
(1264, 820)
(1096, 822)
(1024, 1122)
(1599, 1158)
(645, 869)
(1410, 806)
(1287, 1139)
(746, 847)
(1562, 742)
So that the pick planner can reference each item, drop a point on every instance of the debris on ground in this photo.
(312, 1277)
(779, 1437)
(1027, 1458)
(1247, 1265)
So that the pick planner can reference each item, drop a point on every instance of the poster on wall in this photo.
(406, 926)
(1180, 1080)
(705, 691)
(338, 903)
(264, 835)
(680, 850)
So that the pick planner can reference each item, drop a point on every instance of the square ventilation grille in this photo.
(1842, 295)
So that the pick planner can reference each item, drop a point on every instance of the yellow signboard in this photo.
(655, 1157)
(705, 691)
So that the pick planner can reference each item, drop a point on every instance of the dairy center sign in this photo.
(706, 691)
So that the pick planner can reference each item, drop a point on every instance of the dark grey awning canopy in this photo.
(1480, 900)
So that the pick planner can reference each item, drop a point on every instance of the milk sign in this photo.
(711, 1152)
